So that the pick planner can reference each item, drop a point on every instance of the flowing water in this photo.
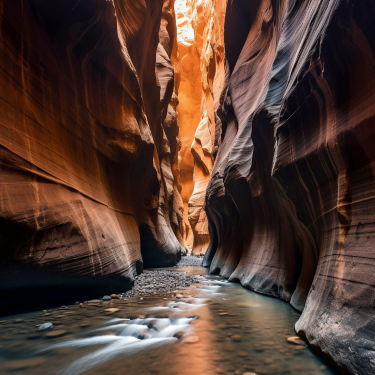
(216, 328)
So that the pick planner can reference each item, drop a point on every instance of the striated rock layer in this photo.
(88, 145)
(200, 25)
(291, 202)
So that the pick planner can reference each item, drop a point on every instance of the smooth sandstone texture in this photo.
(200, 26)
(189, 108)
(290, 201)
(88, 146)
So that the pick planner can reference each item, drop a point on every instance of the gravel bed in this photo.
(190, 261)
(152, 282)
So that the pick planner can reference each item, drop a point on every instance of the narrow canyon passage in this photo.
(187, 187)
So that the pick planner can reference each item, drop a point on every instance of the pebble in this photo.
(223, 313)
(57, 333)
(192, 340)
(18, 321)
(112, 310)
(242, 354)
(245, 304)
(295, 340)
(179, 296)
(300, 347)
(190, 261)
(115, 296)
(45, 326)
(236, 338)
(106, 298)
(160, 281)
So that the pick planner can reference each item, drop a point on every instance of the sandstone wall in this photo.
(201, 51)
(88, 145)
(290, 201)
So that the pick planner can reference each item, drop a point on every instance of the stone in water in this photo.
(295, 340)
(45, 326)
(192, 340)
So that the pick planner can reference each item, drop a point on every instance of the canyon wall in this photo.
(89, 185)
(291, 202)
(200, 25)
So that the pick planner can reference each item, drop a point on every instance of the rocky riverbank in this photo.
(190, 261)
(156, 282)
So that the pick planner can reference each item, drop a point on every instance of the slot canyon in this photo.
(169, 166)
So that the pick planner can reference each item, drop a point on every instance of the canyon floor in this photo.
(206, 325)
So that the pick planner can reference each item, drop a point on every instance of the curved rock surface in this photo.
(102, 171)
(290, 201)
(200, 26)
(88, 143)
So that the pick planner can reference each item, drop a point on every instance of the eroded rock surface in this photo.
(88, 145)
(290, 202)
(200, 26)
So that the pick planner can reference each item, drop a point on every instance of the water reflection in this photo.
(238, 331)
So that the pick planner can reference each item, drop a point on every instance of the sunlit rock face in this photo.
(200, 26)
(89, 145)
(290, 202)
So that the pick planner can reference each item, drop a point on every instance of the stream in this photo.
(212, 327)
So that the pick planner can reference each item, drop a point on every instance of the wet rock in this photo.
(179, 334)
(24, 364)
(295, 340)
(192, 340)
(57, 333)
(299, 347)
(245, 304)
(236, 338)
(143, 334)
(112, 310)
(242, 354)
(45, 326)
(153, 325)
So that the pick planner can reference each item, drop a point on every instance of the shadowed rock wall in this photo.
(290, 201)
(88, 174)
